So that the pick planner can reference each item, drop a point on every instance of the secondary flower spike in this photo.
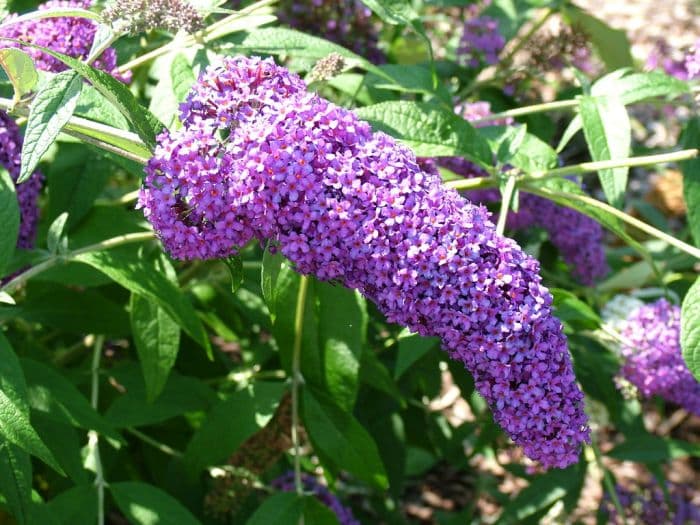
(653, 359)
(578, 238)
(259, 157)
(28, 191)
(325, 496)
(70, 35)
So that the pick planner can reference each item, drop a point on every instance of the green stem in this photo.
(58, 259)
(115, 140)
(505, 205)
(563, 197)
(527, 110)
(471, 184)
(607, 480)
(588, 167)
(297, 378)
(165, 449)
(93, 437)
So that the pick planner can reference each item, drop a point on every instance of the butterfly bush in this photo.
(28, 191)
(578, 237)
(72, 36)
(260, 158)
(343, 513)
(652, 355)
(685, 68)
(646, 505)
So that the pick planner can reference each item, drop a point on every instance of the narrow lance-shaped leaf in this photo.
(690, 329)
(20, 70)
(9, 218)
(606, 127)
(342, 439)
(691, 178)
(134, 273)
(145, 504)
(15, 465)
(15, 427)
(51, 108)
(157, 340)
(145, 124)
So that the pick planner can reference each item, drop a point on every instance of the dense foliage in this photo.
(294, 262)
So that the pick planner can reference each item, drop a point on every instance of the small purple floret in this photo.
(481, 42)
(260, 158)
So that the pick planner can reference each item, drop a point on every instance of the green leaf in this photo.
(342, 326)
(9, 218)
(229, 423)
(411, 348)
(282, 508)
(71, 311)
(20, 70)
(180, 395)
(136, 274)
(635, 87)
(94, 106)
(14, 413)
(65, 443)
(375, 374)
(51, 108)
(647, 448)
(606, 127)
(430, 130)
(157, 341)
(531, 154)
(543, 492)
(612, 45)
(57, 398)
(182, 77)
(76, 505)
(572, 310)
(316, 513)
(15, 465)
(235, 268)
(144, 504)
(16, 481)
(55, 240)
(690, 329)
(691, 178)
(145, 124)
(279, 40)
(75, 178)
(342, 439)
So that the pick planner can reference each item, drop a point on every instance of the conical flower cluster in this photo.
(653, 359)
(260, 158)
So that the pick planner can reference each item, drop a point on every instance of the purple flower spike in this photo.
(481, 42)
(653, 359)
(28, 191)
(344, 514)
(578, 237)
(72, 36)
(646, 505)
(261, 158)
